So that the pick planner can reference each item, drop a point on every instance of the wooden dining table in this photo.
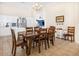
(29, 38)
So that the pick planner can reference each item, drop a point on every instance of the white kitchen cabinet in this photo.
(59, 33)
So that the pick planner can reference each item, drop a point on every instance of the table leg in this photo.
(29, 48)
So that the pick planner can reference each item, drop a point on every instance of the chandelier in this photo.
(37, 6)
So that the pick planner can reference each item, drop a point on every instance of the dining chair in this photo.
(29, 38)
(50, 35)
(35, 40)
(53, 28)
(17, 42)
(43, 37)
(70, 33)
(40, 37)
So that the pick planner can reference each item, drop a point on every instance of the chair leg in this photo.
(48, 43)
(12, 48)
(29, 49)
(33, 44)
(26, 49)
(39, 46)
(54, 37)
(45, 44)
(52, 41)
(14, 51)
(42, 43)
(71, 38)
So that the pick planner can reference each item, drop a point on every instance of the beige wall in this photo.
(49, 12)
(15, 10)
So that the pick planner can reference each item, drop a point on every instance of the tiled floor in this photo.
(61, 48)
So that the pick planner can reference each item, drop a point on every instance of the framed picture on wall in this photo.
(59, 18)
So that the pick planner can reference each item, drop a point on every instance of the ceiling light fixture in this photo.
(37, 6)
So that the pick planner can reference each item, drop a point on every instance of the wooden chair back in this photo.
(50, 32)
(43, 32)
(53, 31)
(53, 28)
(71, 30)
(29, 30)
(36, 30)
